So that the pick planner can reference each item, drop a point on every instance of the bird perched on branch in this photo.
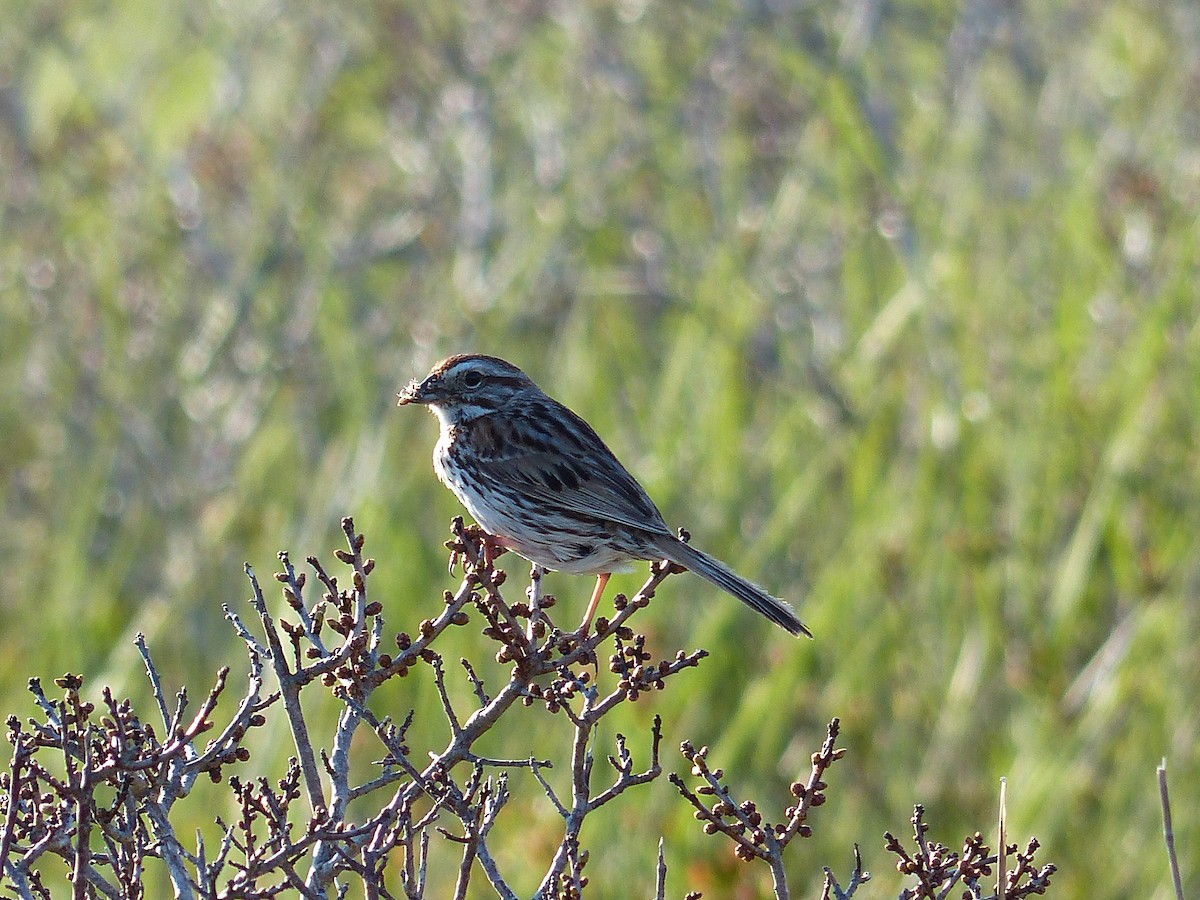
(542, 483)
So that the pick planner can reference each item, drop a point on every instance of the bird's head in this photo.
(462, 388)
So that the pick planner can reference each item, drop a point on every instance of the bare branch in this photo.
(1168, 830)
(98, 789)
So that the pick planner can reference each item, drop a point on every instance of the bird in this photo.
(539, 480)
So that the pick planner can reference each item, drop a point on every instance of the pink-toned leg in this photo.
(601, 582)
(492, 547)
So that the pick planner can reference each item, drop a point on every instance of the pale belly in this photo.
(524, 530)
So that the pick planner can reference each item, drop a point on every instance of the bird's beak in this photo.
(417, 392)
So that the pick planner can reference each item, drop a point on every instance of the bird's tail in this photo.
(715, 571)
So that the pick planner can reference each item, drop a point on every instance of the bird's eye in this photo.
(472, 379)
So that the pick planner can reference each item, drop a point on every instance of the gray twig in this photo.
(1169, 829)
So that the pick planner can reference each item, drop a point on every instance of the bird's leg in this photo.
(491, 547)
(601, 582)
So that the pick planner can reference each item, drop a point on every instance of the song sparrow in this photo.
(539, 480)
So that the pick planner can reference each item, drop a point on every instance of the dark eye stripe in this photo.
(505, 381)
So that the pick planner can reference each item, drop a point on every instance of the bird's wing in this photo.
(557, 459)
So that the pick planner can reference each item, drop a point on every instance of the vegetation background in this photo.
(893, 305)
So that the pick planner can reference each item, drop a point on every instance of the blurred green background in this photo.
(893, 305)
